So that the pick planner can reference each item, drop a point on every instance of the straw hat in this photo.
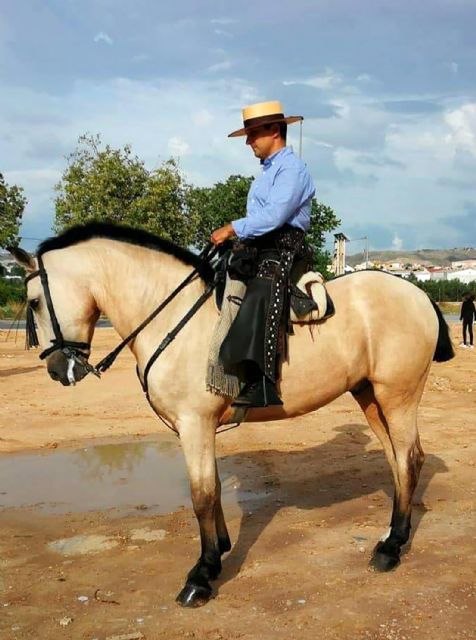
(262, 113)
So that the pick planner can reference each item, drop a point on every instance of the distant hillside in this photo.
(440, 257)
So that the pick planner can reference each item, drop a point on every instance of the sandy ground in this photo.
(299, 565)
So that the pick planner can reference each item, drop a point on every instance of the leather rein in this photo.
(74, 350)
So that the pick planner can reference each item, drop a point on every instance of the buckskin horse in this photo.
(379, 345)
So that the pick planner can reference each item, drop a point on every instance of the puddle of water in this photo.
(127, 477)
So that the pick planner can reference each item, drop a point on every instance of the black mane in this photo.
(81, 233)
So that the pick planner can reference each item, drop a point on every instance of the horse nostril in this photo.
(54, 375)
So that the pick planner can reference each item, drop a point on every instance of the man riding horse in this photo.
(272, 233)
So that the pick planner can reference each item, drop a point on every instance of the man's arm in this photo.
(285, 196)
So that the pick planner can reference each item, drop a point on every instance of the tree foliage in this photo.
(112, 185)
(213, 207)
(12, 205)
(444, 290)
(323, 220)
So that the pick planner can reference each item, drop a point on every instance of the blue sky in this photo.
(387, 90)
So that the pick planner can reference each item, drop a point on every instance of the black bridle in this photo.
(74, 350)
(58, 342)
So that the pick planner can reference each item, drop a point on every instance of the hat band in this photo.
(256, 122)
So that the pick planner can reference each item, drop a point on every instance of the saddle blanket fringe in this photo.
(218, 381)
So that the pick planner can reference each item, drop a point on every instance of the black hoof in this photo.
(193, 595)
(384, 561)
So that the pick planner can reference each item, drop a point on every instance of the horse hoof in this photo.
(383, 562)
(193, 595)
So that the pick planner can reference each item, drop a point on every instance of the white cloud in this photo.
(102, 36)
(221, 32)
(202, 118)
(223, 21)
(462, 123)
(178, 147)
(220, 66)
(328, 80)
(397, 243)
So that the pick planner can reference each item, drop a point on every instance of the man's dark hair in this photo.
(283, 129)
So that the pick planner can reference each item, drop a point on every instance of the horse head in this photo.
(60, 301)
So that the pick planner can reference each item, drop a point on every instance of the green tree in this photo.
(213, 207)
(112, 185)
(12, 205)
(323, 220)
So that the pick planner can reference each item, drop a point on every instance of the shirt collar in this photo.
(271, 159)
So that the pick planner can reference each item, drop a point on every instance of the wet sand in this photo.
(307, 500)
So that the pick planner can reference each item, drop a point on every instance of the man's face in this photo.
(262, 141)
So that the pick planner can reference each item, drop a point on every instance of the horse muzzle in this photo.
(65, 369)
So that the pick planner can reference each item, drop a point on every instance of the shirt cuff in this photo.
(239, 228)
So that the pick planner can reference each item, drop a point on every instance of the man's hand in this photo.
(222, 234)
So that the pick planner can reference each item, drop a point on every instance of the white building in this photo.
(422, 276)
(464, 275)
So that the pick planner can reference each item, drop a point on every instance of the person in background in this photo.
(468, 315)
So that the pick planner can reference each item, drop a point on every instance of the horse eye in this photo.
(34, 304)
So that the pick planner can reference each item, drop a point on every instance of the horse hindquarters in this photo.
(395, 425)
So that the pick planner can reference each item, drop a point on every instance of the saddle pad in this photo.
(312, 285)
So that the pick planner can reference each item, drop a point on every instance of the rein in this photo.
(73, 350)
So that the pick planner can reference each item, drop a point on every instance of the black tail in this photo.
(444, 348)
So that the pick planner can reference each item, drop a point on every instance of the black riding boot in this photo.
(259, 390)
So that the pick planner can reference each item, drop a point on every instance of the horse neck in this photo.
(131, 281)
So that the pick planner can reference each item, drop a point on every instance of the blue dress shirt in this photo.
(281, 194)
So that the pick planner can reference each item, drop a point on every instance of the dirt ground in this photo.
(299, 564)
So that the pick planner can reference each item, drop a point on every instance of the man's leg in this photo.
(242, 353)
(259, 390)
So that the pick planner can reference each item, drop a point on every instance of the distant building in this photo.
(464, 275)
(464, 264)
(422, 275)
(338, 264)
(364, 265)
(393, 266)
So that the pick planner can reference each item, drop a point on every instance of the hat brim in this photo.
(245, 130)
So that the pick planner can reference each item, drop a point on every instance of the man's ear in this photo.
(23, 258)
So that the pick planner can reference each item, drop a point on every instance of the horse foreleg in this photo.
(198, 443)
(224, 542)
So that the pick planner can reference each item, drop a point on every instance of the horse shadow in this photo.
(337, 471)
(15, 371)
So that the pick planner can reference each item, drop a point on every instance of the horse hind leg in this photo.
(396, 428)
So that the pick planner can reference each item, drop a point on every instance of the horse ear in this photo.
(23, 258)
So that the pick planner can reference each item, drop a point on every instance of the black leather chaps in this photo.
(258, 335)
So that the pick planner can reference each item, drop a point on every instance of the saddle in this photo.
(310, 301)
